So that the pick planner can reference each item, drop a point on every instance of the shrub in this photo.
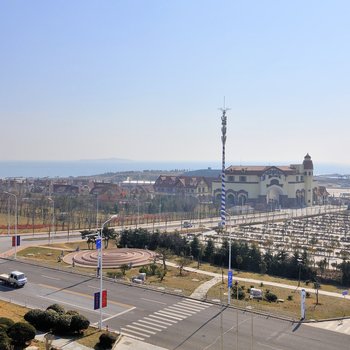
(6, 323)
(36, 318)
(72, 312)
(63, 323)
(261, 284)
(308, 295)
(241, 293)
(290, 297)
(270, 297)
(79, 323)
(50, 319)
(21, 333)
(107, 340)
(57, 307)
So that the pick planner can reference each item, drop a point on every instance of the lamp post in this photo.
(99, 262)
(229, 260)
(300, 262)
(53, 218)
(16, 220)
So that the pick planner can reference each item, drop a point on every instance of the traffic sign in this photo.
(230, 278)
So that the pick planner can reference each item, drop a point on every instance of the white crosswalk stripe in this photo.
(127, 330)
(132, 336)
(340, 326)
(175, 311)
(169, 315)
(147, 325)
(156, 321)
(162, 319)
(140, 329)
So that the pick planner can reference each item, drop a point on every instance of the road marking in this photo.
(144, 325)
(196, 302)
(51, 278)
(120, 313)
(182, 311)
(141, 329)
(162, 322)
(154, 301)
(153, 324)
(177, 313)
(132, 331)
(93, 287)
(162, 318)
(191, 306)
(73, 305)
(168, 314)
(84, 295)
(132, 336)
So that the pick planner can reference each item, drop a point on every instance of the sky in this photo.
(144, 80)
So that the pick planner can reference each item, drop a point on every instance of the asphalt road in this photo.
(170, 321)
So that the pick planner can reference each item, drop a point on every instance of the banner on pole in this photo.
(16, 241)
(98, 243)
(96, 300)
(230, 278)
(104, 298)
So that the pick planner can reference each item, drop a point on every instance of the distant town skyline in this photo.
(144, 80)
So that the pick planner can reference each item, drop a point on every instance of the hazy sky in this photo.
(143, 80)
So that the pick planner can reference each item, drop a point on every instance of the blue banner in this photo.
(98, 243)
(230, 278)
(96, 300)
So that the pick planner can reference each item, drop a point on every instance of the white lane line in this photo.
(168, 314)
(51, 278)
(140, 329)
(162, 318)
(152, 323)
(93, 287)
(132, 336)
(120, 313)
(157, 321)
(153, 301)
(149, 327)
(74, 305)
(175, 312)
(132, 331)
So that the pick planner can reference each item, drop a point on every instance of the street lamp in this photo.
(229, 260)
(300, 262)
(99, 262)
(53, 218)
(16, 220)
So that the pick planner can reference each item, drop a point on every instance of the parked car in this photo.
(186, 224)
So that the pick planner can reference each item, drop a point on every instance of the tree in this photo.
(184, 261)
(124, 268)
(79, 323)
(209, 251)
(164, 254)
(195, 247)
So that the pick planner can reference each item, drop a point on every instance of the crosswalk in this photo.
(341, 326)
(160, 320)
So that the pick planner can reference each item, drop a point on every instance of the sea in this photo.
(53, 169)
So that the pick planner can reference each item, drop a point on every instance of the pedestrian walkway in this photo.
(340, 326)
(63, 343)
(202, 290)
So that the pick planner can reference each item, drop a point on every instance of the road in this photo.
(170, 321)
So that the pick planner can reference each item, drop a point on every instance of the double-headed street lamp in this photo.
(229, 259)
(53, 218)
(16, 220)
(99, 262)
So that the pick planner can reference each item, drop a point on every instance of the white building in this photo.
(274, 186)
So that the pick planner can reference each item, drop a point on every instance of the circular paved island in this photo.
(111, 257)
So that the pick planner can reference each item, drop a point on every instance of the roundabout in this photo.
(111, 257)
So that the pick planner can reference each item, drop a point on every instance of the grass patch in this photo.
(328, 306)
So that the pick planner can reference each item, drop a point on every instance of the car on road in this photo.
(186, 224)
(15, 279)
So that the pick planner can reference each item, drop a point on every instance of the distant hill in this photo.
(204, 172)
